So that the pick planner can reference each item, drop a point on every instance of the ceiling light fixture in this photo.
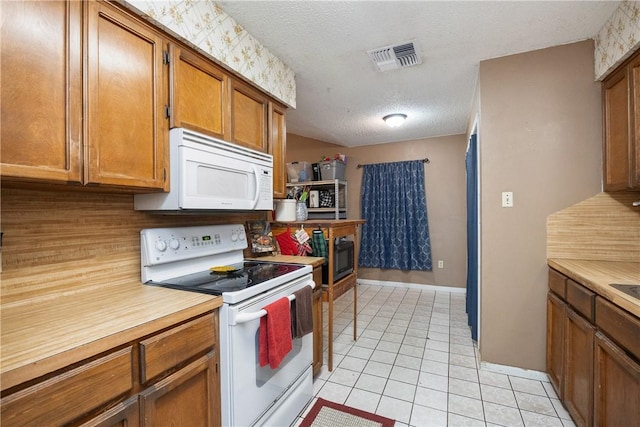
(394, 120)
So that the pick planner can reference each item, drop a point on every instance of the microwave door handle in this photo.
(257, 175)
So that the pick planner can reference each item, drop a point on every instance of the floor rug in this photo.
(330, 414)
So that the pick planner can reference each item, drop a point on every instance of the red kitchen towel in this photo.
(275, 333)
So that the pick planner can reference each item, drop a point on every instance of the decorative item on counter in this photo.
(302, 212)
(261, 237)
(287, 243)
(302, 238)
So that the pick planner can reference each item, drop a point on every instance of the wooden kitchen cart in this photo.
(332, 230)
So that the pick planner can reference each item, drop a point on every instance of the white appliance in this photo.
(210, 174)
(181, 258)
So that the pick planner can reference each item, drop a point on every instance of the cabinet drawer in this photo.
(558, 284)
(581, 299)
(175, 346)
(619, 325)
(65, 397)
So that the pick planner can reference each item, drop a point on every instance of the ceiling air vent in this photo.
(395, 56)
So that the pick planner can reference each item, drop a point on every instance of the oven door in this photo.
(251, 392)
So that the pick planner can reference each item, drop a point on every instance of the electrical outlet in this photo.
(440, 264)
(507, 199)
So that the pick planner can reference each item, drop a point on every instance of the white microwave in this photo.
(209, 174)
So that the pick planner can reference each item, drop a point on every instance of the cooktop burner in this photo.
(248, 274)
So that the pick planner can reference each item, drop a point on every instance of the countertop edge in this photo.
(597, 275)
(19, 372)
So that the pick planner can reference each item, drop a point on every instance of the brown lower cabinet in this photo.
(168, 378)
(593, 360)
(578, 377)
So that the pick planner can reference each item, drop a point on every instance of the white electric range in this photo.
(181, 258)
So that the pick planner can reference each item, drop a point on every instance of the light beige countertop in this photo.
(41, 336)
(597, 275)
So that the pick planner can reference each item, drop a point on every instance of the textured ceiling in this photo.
(341, 98)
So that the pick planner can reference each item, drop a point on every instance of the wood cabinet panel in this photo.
(556, 314)
(188, 398)
(278, 149)
(127, 134)
(619, 325)
(616, 127)
(199, 94)
(621, 114)
(41, 90)
(578, 376)
(581, 299)
(617, 385)
(65, 397)
(249, 116)
(175, 346)
(634, 107)
(558, 283)
(124, 414)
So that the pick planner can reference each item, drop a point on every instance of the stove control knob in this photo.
(241, 235)
(161, 245)
(234, 236)
(174, 244)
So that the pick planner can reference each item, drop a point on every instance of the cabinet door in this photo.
(556, 313)
(199, 96)
(189, 397)
(616, 131)
(617, 385)
(124, 414)
(578, 379)
(127, 132)
(41, 90)
(248, 116)
(278, 149)
(634, 147)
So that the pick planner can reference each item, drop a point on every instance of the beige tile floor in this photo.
(414, 361)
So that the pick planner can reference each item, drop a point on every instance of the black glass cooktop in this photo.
(247, 274)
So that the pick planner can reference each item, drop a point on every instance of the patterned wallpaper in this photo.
(204, 24)
(618, 39)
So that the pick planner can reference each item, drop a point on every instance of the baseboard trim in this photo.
(450, 289)
(516, 372)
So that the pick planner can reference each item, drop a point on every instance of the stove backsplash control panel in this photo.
(164, 245)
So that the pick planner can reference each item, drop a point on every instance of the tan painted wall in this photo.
(446, 197)
(540, 137)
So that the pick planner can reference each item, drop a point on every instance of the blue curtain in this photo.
(472, 235)
(394, 205)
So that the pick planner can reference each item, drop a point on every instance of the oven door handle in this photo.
(248, 317)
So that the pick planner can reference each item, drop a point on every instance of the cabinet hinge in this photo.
(167, 112)
(165, 57)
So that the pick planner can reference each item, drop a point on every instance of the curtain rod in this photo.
(425, 160)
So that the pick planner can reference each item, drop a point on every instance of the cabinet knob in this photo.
(636, 204)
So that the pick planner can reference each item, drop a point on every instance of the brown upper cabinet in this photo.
(41, 91)
(249, 110)
(120, 139)
(127, 132)
(199, 94)
(621, 102)
(277, 148)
